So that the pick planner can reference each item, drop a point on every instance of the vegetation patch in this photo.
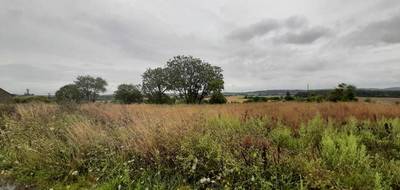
(95, 146)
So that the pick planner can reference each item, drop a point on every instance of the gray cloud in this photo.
(306, 36)
(45, 44)
(295, 30)
(261, 28)
(296, 22)
(267, 26)
(383, 31)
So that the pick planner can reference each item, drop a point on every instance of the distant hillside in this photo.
(363, 92)
(393, 89)
(264, 93)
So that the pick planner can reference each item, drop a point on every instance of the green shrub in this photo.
(344, 155)
(31, 99)
(217, 98)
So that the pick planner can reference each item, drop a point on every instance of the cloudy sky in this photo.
(260, 44)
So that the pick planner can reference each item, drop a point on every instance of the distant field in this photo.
(277, 145)
(241, 99)
(382, 100)
(235, 99)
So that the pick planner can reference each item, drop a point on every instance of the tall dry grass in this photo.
(141, 127)
(96, 139)
(292, 113)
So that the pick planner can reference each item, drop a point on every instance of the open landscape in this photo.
(199, 95)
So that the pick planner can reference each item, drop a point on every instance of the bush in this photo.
(69, 94)
(31, 99)
(128, 94)
(348, 158)
(217, 98)
(161, 99)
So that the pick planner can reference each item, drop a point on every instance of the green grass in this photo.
(218, 152)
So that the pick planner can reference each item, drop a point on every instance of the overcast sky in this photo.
(260, 44)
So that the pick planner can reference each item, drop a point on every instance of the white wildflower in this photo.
(204, 180)
(74, 173)
(194, 164)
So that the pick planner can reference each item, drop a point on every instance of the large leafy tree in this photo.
(90, 87)
(193, 78)
(68, 93)
(155, 85)
(128, 94)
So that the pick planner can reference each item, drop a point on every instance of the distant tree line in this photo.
(184, 78)
(342, 93)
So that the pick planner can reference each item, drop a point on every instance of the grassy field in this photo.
(281, 145)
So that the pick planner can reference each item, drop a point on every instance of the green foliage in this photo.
(193, 78)
(217, 98)
(343, 152)
(68, 94)
(128, 94)
(90, 87)
(289, 97)
(251, 99)
(155, 83)
(343, 92)
(31, 99)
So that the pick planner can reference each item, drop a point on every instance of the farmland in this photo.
(277, 145)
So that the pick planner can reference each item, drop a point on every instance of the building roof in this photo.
(3, 92)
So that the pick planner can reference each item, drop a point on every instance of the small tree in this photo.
(155, 84)
(343, 92)
(128, 94)
(68, 93)
(217, 98)
(90, 87)
(288, 96)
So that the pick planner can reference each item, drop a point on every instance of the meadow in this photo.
(276, 145)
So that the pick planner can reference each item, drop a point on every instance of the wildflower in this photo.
(74, 173)
(194, 164)
(204, 180)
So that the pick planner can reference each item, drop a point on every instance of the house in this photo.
(5, 96)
